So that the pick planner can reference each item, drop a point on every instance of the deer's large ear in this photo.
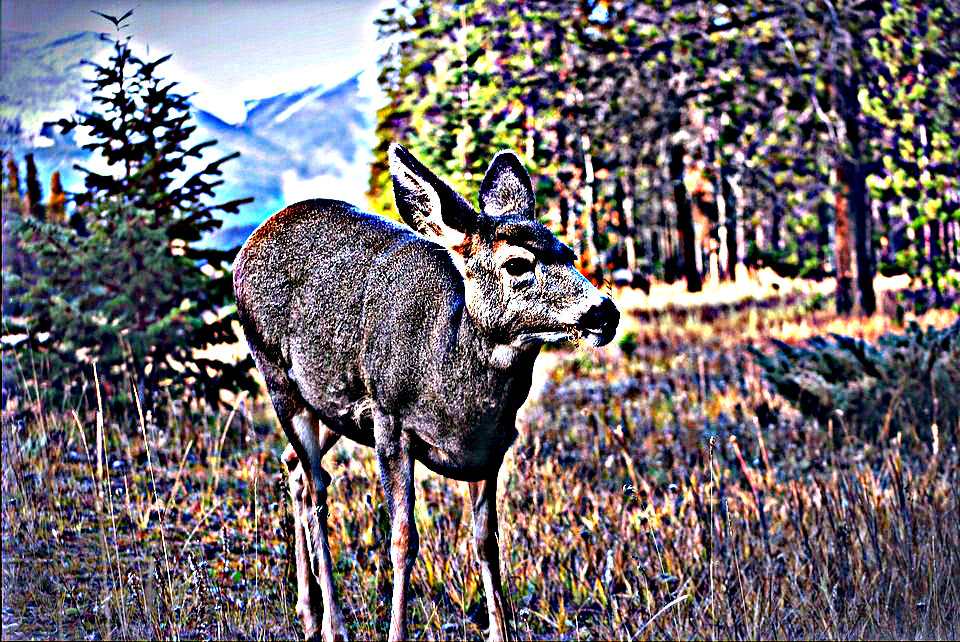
(426, 203)
(506, 188)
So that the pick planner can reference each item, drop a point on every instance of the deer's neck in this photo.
(477, 349)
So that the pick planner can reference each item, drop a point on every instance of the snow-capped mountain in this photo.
(309, 143)
(305, 144)
(41, 80)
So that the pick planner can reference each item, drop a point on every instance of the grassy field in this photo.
(657, 490)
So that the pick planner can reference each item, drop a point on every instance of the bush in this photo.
(906, 383)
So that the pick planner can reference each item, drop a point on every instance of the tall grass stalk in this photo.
(220, 441)
(712, 551)
(168, 571)
(95, 475)
(663, 609)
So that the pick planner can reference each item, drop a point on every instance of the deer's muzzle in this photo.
(600, 322)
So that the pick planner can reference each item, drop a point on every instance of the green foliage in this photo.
(634, 113)
(122, 285)
(915, 105)
(905, 383)
(628, 343)
(466, 80)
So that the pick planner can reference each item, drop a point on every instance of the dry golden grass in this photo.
(665, 494)
(754, 285)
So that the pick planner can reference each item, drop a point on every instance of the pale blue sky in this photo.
(226, 50)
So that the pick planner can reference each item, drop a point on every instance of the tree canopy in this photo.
(682, 139)
(121, 283)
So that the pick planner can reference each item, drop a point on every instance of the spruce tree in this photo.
(34, 194)
(58, 200)
(127, 288)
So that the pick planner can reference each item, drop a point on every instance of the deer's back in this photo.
(306, 281)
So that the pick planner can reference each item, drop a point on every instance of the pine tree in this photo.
(805, 120)
(12, 202)
(56, 205)
(11, 184)
(915, 102)
(126, 288)
(34, 203)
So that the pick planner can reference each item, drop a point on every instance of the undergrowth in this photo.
(664, 494)
(904, 382)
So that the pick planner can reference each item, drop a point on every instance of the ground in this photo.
(658, 489)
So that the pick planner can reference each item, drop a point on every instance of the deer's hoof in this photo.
(334, 629)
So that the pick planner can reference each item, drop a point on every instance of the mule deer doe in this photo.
(419, 343)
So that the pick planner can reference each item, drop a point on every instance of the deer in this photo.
(417, 340)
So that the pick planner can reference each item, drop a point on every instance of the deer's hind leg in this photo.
(309, 594)
(316, 602)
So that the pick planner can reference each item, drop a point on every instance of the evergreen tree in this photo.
(913, 104)
(12, 202)
(56, 205)
(11, 183)
(34, 203)
(626, 108)
(126, 288)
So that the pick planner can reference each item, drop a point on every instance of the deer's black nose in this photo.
(601, 318)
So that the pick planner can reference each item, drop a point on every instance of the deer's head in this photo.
(520, 284)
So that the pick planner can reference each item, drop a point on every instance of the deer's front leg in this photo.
(396, 473)
(483, 496)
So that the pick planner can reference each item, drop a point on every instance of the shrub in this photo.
(905, 383)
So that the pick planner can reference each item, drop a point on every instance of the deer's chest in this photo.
(465, 441)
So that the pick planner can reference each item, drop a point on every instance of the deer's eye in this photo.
(518, 266)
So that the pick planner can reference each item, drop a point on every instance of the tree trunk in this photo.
(843, 250)
(565, 218)
(684, 211)
(861, 222)
(729, 201)
(775, 224)
(854, 175)
(935, 261)
(627, 222)
(587, 198)
(655, 205)
(823, 237)
(953, 244)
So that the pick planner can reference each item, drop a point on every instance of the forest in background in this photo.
(681, 140)
(752, 458)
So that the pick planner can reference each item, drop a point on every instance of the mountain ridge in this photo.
(311, 142)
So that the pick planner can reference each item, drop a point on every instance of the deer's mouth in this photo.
(546, 335)
(577, 334)
(594, 327)
(594, 337)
